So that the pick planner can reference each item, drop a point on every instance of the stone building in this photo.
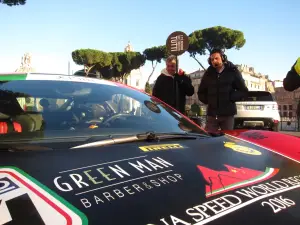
(135, 79)
(256, 81)
(26, 64)
(287, 103)
(196, 77)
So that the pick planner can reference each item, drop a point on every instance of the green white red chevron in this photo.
(22, 198)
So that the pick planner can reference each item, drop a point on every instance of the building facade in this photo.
(287, 103)
(135, 78)
(255, 81)
(196, 78)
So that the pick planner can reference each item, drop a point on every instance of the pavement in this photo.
(291, 133)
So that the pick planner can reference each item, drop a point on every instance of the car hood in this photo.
(286, 145)
(221, 180)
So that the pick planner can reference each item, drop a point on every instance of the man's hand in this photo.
(297, 66)
(179, 76)
(181, 72)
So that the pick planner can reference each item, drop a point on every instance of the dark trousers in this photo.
(213, 124)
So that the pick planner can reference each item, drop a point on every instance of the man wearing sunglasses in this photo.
(171, 86)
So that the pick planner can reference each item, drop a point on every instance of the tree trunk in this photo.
(153, 69)
(194, 57)
(87, 70)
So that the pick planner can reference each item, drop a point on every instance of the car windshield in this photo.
(258, 96)
(68, 108)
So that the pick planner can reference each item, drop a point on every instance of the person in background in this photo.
(165, 86)
(292, 80)
(45, 104)
(222, 85)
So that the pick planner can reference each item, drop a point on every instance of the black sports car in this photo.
(76, 150)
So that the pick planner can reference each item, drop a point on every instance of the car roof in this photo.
(52, 77)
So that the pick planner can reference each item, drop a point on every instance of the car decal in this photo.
(263, 147)
(255, 135)
(22, 198)
(150, 148)
(273, 195)
(223, 181)
(54, 77)
(241, 149)
(13, 77)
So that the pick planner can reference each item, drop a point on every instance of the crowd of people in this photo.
(221, 87)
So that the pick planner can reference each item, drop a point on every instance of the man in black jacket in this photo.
(292, 80)
(165, 86)
(221, 86)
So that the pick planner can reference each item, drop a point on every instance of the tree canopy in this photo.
(195, 108)
(204, 41)
(222, 38)
(119, 64)
(90, 58)
(13, 2)
(109, 65)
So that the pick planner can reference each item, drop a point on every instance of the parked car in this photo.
(105, 153)
(258, 110)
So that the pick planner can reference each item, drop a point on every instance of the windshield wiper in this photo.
(148, 136)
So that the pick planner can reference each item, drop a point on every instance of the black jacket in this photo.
(221, 91)
(292, 80)
(165, 89)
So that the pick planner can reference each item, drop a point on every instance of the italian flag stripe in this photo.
(46, 196)
(13, 77)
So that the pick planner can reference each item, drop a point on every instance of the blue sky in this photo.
(51, 30)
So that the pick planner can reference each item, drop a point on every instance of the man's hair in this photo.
(171, 59)
(217, 50)
(222, 54)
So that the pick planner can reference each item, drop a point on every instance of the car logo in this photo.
(242, 149)
(151, 148)
(23, 200)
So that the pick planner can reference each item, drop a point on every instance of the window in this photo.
(279, 107)
(284, 114)
(87, 107)
(31, 104)
(290, 107)
(285, 107)
(290, 114)
(258, 96)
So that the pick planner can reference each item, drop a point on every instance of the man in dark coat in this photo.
(222, 85)
(292, 80)
(170, 86)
